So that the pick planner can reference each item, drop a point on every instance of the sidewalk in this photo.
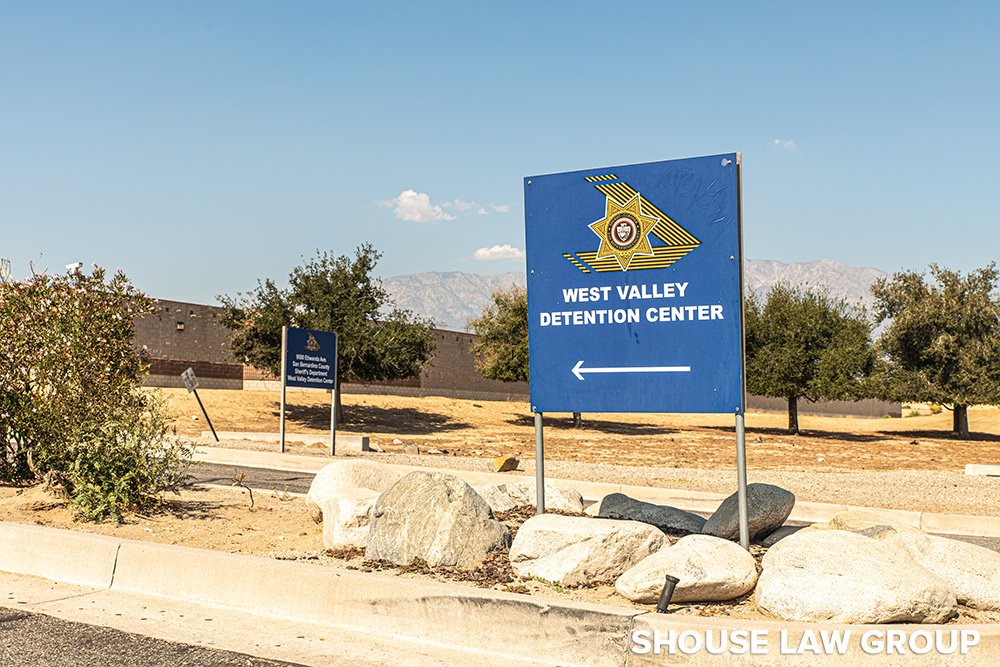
(692, 501)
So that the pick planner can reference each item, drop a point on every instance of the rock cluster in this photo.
(709, 568)
(504, 497)
(573, 550)
(666, 518)
(436, 518)
(844, 577)
(767, 508)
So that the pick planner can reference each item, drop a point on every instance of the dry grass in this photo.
(491, 428)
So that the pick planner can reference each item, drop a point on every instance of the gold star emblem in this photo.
(623, 231)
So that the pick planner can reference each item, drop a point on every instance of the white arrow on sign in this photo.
(578, 370)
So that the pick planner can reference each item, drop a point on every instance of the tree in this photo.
(804, 344)
(337, 294)
(72, 410)
(501, 347)
(942, 342)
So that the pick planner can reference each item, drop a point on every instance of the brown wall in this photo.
(181, 335)
(204, 346)
(866, 408)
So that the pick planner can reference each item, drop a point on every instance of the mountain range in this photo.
(452, 298)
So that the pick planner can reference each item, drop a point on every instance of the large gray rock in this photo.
(767, 508)
(709, 568)
(503, 497)
(579, 550)
(340, 476)
(776, 536)
(865, 523)
(437, 518)
(347, 518)
(843, 577)
(664, 517)
(973, 572)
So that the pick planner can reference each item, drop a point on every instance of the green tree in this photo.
(804, 344)
(72, 410)
(375, 340)
(942, 341)
(501, 346)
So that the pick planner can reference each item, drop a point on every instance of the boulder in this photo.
(781, 533)
(709, 568)
(346, 518)
(503, 497)
(666, 518)
(436, 518)
(865, 523)
(504, 463)
(340, 476)
(972, 571)
(767, 508)
(842, 577)
(580, 550)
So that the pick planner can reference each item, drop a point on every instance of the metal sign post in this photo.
(635, 292)
(191, 384)
(539, 464)
(333, 403)
(309, 360)
(284, 375)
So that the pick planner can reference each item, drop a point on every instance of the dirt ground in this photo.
(492, 428)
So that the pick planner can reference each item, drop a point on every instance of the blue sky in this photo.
(200, 146)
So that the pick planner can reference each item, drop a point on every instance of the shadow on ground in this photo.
(865, 437)
(408, 421)
(589, 424)
(809, 433)
(193, 509)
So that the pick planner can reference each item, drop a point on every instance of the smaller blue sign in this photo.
(310, 359)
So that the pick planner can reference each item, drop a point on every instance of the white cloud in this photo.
(460, 204)
(415, 206)
(785, 144)
(505, 251)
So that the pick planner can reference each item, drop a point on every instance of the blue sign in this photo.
(310, 359)
(634, 288)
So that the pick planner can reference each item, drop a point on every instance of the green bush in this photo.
(72, 410)
(935, 408)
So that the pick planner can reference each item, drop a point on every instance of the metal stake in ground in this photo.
(191, 384)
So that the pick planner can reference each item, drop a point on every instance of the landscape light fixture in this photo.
(666, 594)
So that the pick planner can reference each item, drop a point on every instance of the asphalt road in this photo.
(256, 478)
(29, 640)
(298, 482)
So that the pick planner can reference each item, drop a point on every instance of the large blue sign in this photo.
(310, 359)
(634, 288)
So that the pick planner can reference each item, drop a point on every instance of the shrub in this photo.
(72, 411)
(935, 408)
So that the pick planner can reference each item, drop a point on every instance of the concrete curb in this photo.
(431, 612)
(692, 501)
(486, 622)
(988, 469)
